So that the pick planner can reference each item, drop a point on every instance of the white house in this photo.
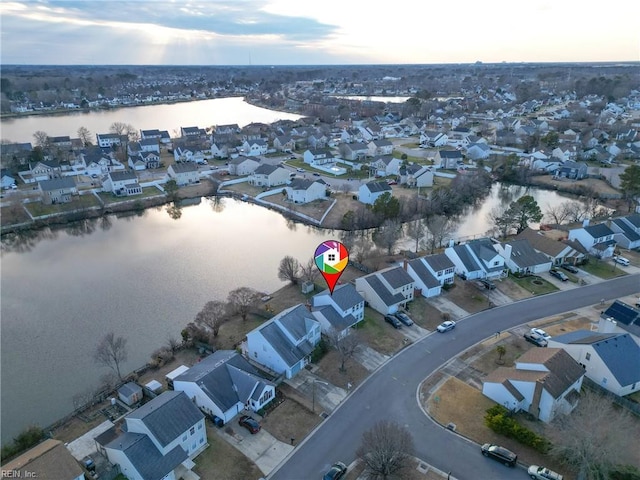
(6, 179)
(161, 439)
(338, 311)
(183, 173)
(476, 259)
(416, 176)
(386, 165)
(122, 184)
(431, 273)
(57, 190)
(318, 156)
(243, 166)
(544, 382)
(284, 343)
(597, 239)
(386, 290)
(627, 231)
(225, 384)
(269, 176)
(380, 147)
(107, 140)
(520, 257)
(610, 360)
(304, 191)
(448, 159)
(253, 148)
(369, 192)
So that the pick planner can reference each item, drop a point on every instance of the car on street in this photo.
(446, 326)
(249, 423)
(542, 333)
(558, 274)
(541, 473)
(336, 471)
(569, 268)
(537, 340)
(404, 318)
(500, 454)
(300, 170)
(488, 284)
(393, 321)
(316, 174)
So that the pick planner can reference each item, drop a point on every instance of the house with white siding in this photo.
(597, 239)
(340, 310)
(121, 184)
(431, 273)
(242, 166)
(254, 148)
(627, 231)
(476, 259)
(269, 176)
(301, 190)
(183, 173)
(386, 291)
(520, 257)
(369, 192)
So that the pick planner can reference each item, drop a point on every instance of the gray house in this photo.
(57, 190)
(572, 170)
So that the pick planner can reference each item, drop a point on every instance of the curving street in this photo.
(391, 392)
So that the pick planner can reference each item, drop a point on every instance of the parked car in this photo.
(540, 332)
(541, 473)
(316, 174)
(621, 260)
(569, 268)
(446, 326)
(404, 318)
(536, 339)
(488, 284)
(336, 471)
(249, 423)
(300, 170)
(500, 454)
(558, 274)
(393, 321)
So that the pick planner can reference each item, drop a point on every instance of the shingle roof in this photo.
(467, 260)
(375, 187)
(598, 231)
(541, 243)
(633, 219)
(627, 230)
(225, 377)
(622, 356)
(450, 154)
(168, 416)
(265, 169)
(564, 371)
(184, 167)
(300, 184)
(396, 277)
(524, 255)
(345, 296)
(336, 320)
(423, 273)
(146, 458)
(57, 184)
(295, 322)
(48, 460)
(385, 295)
(439, 262)
(582, 337)
(119, 176)
(129, 389)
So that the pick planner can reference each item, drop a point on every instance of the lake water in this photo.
(143, 277)
(201, 113)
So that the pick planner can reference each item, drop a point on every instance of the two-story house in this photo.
(301, 190)
(318, 156)
(558, 252)
(57, 190)
(386, 291)
(597, 239)
(520, 257)
(339, 311)
(109, 140)
(369, 192)
(284, 343)
(242, 165)
(448, 159)
(627, 231)
(476, 259)
(380, 147)
(254, 148)
(183, 173)
(121, 184)
(269, 176)
(386, 165)
(284, 143)
(431, 273)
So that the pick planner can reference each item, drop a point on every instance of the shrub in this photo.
(26, 439)
(499, 420)
(321, 349)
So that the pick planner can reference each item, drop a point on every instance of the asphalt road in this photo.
(391, 392)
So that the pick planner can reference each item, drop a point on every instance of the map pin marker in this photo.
(331, 258)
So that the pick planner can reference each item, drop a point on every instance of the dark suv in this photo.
(404, 318)
(500, 454)
(393, 321)
(488, 284)
(569, 268)
(558, 274)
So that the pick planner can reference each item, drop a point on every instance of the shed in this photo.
(173, 374)
(154, 386)
(130, 393)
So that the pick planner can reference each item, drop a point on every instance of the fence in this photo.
(630, 405)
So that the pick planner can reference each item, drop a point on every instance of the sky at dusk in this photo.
(307, 32)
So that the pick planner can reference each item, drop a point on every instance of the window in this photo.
(201, 441)
(200, 426)
(184, 437)
(193, 446)
(255, 354)
(192, 430)
(588, 356)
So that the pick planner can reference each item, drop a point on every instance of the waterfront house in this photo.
(183, 173)
(269, 176)
(476, 259)
(627, 231)
(620, 317)
(192, 132)
(110, 140)
(572, 170)
(49, 459)
(57, 190)
(225, 384)
(557, 251)
(520, 257)
(304, 191)
(284, 343)
(544, 383)
(386, 290)
(431, 273)
(122, 184)
(339, 311)
(386, 165)
(254, 148)
(243, 165)
(597, 239)
(369, 192)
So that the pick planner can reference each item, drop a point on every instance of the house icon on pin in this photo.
(331, 257)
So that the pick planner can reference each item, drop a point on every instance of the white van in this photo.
(621, 260)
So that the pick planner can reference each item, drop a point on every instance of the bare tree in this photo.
(557, 214)
(386, 450)
(119, 128)
(439, 229)
(309, 271)
(416, 230)
(289, 270)
(173, 344)
(41, 139)
(111, 352)
(242, 300)
(212, 316)
(387, 235)
(346, 345)
(85, 136)
(594, 438)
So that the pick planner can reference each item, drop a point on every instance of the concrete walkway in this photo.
(369, 358)
(445, 305)
(263, 449)
(317, 390)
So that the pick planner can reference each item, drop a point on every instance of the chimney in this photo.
(507, 251)
(404, 264)
(585, 223)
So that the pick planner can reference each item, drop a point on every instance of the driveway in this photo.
(369, 358)
(324, 395)
(391, 392)
(447, 306)
(263, 449)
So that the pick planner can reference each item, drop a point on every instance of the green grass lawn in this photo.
(77, 202)
(534, 284)
(603, 269)
(146, 192)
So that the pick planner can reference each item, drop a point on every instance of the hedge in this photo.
(499, 420)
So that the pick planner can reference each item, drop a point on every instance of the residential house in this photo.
(386, 290)
(564, 153)
(269, 176)
(386, 165)
(190, 150)
(448, 159)
(144, 160)
(544, 382)
(284, 343)
(304, 191)
(317, 140)
(63, 142)
(478, 151)
(354, 151)
(572, 170)
(149, 145)
(6, 179)
(109, 140)
(597, 239)
(183, 173)
(431, 273)
(253, 148)
(122, 184)
(151, 134)
(96, 162)
(431, 138)
(318, 156)
(340, 310)
(47, 460)
(192, 132)
(520, 257)
(609, 360)
(16, 152)
(620, 317)
(229, 129)
(558, 252)
(459, 136)
(224, 384)
(57, 190)
(284, 143)
(369, 192)
(416, 176)
(220, 149)
(243, 165)
(476, 259)
(627, 231)
(160, 439)
(44, 170)
(380, 148)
